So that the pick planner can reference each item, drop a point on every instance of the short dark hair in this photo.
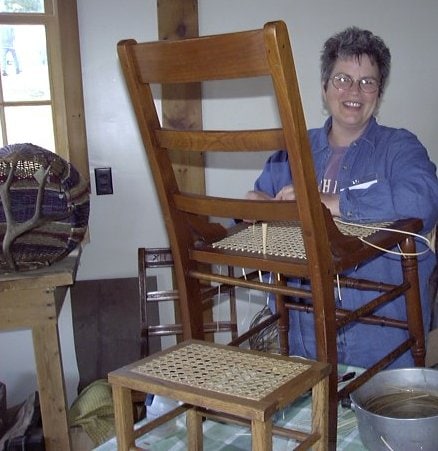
(355, 42)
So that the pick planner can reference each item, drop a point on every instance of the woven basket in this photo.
(62, 207)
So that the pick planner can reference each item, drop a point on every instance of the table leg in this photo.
(261, 435)
(51, 386)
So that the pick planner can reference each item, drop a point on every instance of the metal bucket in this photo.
(398, 410)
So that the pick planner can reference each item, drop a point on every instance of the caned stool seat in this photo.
(227, 383)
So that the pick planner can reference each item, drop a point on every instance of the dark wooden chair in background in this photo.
(303, 240)
(150, 259)
(152, 262)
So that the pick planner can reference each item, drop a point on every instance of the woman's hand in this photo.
(331, 201)
(257, 195)
(286, 193)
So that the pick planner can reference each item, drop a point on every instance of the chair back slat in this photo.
(222, 141)
(218, 57)
(236, 208)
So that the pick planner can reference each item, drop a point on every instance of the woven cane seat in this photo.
(284, 238)
(44, 207)
(223, 370)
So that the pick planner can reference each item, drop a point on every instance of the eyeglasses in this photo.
(343, 82)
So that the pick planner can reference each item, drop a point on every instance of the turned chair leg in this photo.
(413, 303)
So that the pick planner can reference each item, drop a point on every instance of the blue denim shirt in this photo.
(385, 175)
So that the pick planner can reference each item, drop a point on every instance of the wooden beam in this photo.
(75, 137)
(181, 105)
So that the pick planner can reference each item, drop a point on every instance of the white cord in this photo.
(267, 293)
(242, 323)
(388, 229)
(403, 254)
(218, 301)
(339, 287)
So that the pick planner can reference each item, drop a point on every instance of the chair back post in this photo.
(316, 240)
(310, 208)
(149, 123)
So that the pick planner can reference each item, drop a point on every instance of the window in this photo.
(40, 78)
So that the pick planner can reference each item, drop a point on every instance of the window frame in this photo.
(65, 77)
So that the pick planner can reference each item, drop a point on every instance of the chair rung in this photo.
(306, 439)
(160, 420)
(163, 330)
(359, 380)
(164, 295)
(343, 313)
(366, 309)
(245, 283)
(257, 328)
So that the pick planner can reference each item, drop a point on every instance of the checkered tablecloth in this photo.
(228, 437)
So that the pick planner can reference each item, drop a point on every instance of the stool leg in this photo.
(320, 413)
(194, 430)
(124, 418)
(261, 432)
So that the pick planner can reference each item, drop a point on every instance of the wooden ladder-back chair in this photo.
(150, 259)
(324, 250)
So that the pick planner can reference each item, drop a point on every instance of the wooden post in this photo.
(181, 105)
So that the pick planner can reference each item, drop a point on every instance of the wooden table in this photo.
(33, 300)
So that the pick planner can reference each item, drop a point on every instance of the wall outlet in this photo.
(104, 181)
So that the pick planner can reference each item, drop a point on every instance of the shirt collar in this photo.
(367, 135)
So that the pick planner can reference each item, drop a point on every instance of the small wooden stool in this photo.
(226, 383)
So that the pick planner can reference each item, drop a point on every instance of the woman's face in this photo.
(352, 108)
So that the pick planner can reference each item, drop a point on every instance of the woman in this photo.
(366, 172)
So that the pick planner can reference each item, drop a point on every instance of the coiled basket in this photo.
(44, 207)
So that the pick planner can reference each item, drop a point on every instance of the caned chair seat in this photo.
(284, 238)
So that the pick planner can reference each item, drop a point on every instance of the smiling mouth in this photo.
(352, 104)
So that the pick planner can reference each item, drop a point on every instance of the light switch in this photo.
(104, 181)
